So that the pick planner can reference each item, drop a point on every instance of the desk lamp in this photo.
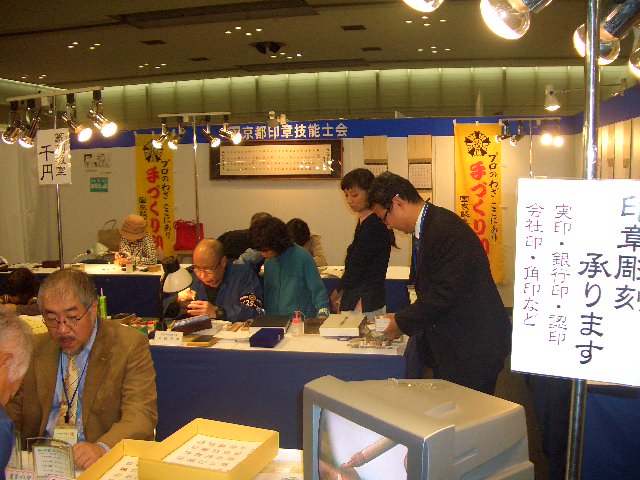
(174, 279)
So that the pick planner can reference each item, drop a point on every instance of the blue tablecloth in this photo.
(261, 388)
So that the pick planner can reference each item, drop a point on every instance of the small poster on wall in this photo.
(97, 161)
(99, 184)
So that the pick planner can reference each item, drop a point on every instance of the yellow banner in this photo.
(154, 192)
(479, 188)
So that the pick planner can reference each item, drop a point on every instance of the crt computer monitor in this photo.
(411, 429)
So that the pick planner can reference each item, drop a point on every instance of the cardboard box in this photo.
(131, 448)
(342, 325)
(154, 468)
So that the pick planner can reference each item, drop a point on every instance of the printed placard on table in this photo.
(576, 309)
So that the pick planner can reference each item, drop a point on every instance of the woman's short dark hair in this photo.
(22, 284)
(298, 231)
(360, 177)
(270, 234)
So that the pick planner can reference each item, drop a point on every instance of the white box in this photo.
(342, 325)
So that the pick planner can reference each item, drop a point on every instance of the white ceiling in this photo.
(34, 39)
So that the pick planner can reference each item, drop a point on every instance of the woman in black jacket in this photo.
(361, 288)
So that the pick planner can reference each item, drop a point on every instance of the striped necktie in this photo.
(69, 407)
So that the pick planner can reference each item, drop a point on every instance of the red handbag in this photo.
(186, 234)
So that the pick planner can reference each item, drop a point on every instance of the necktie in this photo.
(69, 407)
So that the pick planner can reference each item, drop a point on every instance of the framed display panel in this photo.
(310, 159)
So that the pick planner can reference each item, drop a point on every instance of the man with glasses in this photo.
(90, 382)
(219, 289)
(458, 321)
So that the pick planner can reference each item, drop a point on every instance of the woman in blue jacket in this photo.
(291, 279)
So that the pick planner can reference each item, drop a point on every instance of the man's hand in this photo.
(86, 454)
(200, 307)
(392, 331)
(186, 295)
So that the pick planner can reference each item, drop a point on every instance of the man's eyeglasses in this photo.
(207, 270)
(384, 218)
(70, 321)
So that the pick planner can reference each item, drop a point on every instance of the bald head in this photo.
(209, 262)
(209, 246)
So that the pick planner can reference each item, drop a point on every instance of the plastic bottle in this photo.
(297, 325)
(102, 306)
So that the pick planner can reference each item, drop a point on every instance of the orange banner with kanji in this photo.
(154, 192)
(479, 188)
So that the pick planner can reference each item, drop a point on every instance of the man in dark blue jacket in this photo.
(220, 288)
(460, 325)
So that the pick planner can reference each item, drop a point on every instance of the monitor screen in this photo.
(345, 446)
(410, 429)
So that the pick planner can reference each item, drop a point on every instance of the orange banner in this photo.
(154, 192)
(479, 188)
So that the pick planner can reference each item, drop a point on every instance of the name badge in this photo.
(413, 296)
(67, 434)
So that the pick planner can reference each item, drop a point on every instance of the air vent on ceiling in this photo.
(199, 59)
(371, 49)
(153, 42)
(353, 27)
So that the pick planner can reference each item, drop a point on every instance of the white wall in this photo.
(229, 204)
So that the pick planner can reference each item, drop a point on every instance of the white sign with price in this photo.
(576, 306)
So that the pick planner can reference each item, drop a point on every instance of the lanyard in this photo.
(67, 415)
(416, 241)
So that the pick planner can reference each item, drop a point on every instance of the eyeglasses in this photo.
(70, 321)
(384, 218)
(208, 270)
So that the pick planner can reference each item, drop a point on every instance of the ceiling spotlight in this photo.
(213, 141)
(70, 118)
(106, 127)
(634, 58)
(82, 133)
(424, 5)
(506, 132)
(177, 138)
(33, 118)
(15, 128)
(551, 102)
(510, 19)
(164, 136)
(617, 23)
(235, 137)
(519, 134)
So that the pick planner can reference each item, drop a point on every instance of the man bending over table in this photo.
(220, 289)
(90, 382)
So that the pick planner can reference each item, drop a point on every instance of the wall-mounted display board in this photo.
(314, 160)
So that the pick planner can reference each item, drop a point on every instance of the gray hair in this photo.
(68, 283)
(15, 338)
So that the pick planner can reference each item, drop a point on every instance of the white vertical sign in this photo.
(54, 156)
(576, 309)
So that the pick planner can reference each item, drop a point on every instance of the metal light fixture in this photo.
(634, 58)
(551, 102)
(235, 137)
(164, 136)
(618, 22)
(519, 135)
(213, 141)
(506, 132)
(106, 127)
(33, 119)
(510, 19)
(426, 6)
(15, 128)
(177, 138)
(82, 132)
